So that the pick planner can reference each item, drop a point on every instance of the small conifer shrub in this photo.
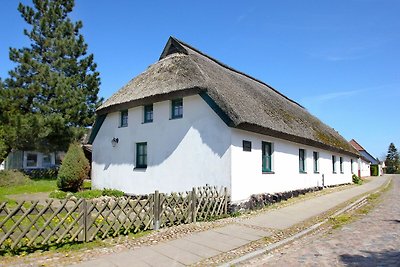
(74, 169)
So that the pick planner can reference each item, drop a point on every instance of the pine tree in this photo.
(52, 92)
(392, 161)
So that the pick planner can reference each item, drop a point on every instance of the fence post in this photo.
(83, 221)
(194, 202)
(156, 209)
(225, 200)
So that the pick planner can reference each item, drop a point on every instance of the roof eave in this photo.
(292, 138)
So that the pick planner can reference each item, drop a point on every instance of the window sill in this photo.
(176, 118)
(341, 172)
(334, 172)
(147, 122)
(140, 168)
(123, 126)
(269, 172)
(316, 172)
(303, 172)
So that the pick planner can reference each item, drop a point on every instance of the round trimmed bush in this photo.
(74, 169)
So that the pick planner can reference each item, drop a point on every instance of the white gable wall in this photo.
(182, 153)
(247, 176)
(364, 167)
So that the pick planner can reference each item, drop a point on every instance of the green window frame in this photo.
(141, 155)
(177, 108)
(123, 122)
(148, 113)
(333, 163)
(266, 148)
(351, 166)
(316, 161)
(302, 160)
(341, 164)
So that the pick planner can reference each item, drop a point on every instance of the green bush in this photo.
(356, 179)
(74, 169)
(42, 173)
(112, 192)
(88, 194)
(58, 194)
(13, 177)
(374, 170)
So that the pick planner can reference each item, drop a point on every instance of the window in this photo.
(141, 155)
(351, 166)
(148, 113)
(46, 161)
(341, 164)
(177, 108)
(266, 156)
(333, 164)
(31, 160)
(124, 118)
(302, 160)
(246, 145)
(315, 159)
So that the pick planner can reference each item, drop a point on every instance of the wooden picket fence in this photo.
(34, 224)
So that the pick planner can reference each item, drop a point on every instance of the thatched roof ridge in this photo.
(248, 103)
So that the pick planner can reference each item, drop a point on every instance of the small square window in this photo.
(46, 161)
(148, 113)
(31, 160)
(141, 155)
(177, 108)
(124, 118)
(246, 145)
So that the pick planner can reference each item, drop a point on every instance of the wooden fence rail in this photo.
(33, 224)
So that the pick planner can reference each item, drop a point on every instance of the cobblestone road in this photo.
(373, 240)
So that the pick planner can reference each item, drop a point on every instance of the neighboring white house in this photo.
(366, 160)
(189, 120)
(28, 160)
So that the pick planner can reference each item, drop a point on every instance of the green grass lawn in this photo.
(34, 186)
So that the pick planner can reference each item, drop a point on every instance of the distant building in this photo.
(366, 162)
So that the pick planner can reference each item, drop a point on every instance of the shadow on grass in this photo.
(371, 258)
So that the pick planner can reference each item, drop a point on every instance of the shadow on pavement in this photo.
(382, 258)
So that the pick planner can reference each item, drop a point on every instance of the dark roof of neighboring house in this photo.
(240, 100)
(364, 153)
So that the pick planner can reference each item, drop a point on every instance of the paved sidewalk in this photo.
(203, 245)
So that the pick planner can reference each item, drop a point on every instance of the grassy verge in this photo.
(32, 186)
(346, 218)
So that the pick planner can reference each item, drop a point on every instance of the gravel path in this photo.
(373, 240)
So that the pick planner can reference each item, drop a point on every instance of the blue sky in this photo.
(340, 59)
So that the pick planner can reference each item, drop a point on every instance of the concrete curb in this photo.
(354, 205)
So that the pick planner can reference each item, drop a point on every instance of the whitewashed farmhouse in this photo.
(189, 120)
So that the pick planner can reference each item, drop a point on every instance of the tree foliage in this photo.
(392, 161)
(51, 94)
(74, 169)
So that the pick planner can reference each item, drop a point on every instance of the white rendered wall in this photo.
(364, 168)
(182, 153)
(247, 176)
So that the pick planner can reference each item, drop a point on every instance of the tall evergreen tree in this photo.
(392, 161)
(52, 92)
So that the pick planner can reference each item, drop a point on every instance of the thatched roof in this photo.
(241, 100)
